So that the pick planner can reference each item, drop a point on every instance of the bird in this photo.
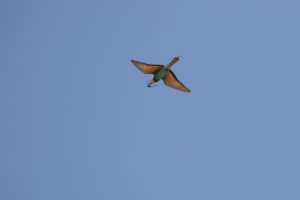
(162, 72)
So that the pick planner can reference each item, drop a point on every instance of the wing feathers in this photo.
(146, 68)
(171, 80)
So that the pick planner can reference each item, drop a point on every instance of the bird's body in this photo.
(162, 72)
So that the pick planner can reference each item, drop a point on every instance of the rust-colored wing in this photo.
(171, 80)
(146, 68)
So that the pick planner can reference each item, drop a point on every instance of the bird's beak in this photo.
(150, 83)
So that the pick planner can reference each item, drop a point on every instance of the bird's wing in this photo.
(146, 68)
(171, 80)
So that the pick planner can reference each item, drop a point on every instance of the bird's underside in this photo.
(168, 76)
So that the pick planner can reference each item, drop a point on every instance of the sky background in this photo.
(78, 122)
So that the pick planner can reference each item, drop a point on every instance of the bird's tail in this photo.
(173, 62)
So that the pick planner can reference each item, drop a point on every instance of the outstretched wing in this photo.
(146, 68)
(171, 80)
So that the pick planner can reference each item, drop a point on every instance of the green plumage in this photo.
(163, 71)
(160, 74)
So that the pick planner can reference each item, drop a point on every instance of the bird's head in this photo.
(150, 83)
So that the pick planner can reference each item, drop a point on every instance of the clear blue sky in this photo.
(78, 122)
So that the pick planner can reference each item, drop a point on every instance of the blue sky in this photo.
(78, 122)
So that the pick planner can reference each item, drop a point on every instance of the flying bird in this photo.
(162, 72)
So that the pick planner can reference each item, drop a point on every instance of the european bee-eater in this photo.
(162, 72)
